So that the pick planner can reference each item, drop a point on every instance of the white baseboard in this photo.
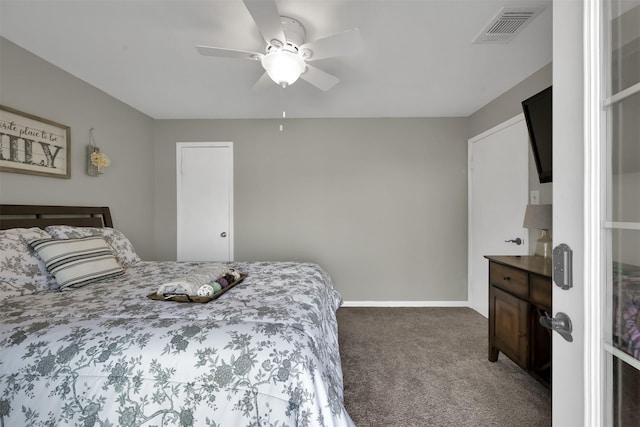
(405, 304)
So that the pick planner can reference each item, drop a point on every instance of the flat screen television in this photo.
(538, 115)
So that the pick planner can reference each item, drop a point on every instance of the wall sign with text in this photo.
(33, 145)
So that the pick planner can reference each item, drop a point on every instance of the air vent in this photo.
(507, 24)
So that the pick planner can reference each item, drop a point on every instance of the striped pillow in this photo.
(78, 262)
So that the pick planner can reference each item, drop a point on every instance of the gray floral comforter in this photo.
(263, 354)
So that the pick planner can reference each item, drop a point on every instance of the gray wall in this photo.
(507, 106)
(34, 86)
(380, 203)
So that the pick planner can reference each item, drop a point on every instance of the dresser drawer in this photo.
(510, 279)
(540, 291)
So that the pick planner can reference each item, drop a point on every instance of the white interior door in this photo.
(571, 217)
(596, 196)
(204, 201)
(498, 193)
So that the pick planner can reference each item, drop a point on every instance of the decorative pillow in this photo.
(78, 262)
(125, 254)
(22, 272)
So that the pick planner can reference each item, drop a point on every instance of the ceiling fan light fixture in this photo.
(287, 50)
(283, 67)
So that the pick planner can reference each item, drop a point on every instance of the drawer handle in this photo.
(506, 278)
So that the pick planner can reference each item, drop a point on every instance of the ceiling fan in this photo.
(287, 53)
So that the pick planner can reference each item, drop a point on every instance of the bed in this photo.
(626, 308)
(263, 354)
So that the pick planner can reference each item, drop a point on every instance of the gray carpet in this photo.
(428, 367)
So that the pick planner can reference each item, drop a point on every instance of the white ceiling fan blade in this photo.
(340, 44)
(228, 53)
(320, 79)
(267, 18)
(263, 82)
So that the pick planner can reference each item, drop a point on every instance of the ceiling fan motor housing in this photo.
(296, 36)
(293, 31)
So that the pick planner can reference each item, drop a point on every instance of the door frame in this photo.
(179, 146)
(595, 384)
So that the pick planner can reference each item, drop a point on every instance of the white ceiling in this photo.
(419, 58)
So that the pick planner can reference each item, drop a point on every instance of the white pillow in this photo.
(125, 254)
(22, 272)
(78, 262)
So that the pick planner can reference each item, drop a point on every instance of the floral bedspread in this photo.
(626, 308)
(263, 354)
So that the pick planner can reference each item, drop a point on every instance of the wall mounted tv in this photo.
(538, 115)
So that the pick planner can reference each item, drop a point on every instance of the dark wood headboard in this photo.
(14, 216)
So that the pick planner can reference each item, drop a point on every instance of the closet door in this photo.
(205, 201)
(498, 186)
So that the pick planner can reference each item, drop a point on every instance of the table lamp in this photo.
(539, 217)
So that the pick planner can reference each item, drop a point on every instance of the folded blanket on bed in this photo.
(204, 276)
(193, 281)
(178, 287)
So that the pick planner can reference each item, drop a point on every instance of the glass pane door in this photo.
(621, 172)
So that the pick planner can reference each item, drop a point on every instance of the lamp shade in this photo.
(283, 67)
(538, 217)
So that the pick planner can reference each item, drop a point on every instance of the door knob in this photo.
(223, 234)
(561, 324)
(517, 241)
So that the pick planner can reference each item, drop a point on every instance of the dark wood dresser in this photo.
(519, 293)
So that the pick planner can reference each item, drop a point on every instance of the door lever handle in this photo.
(517, 241)
(561, 324)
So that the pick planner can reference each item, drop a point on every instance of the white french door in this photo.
(597, 210)
(617, 111)
(569, 213)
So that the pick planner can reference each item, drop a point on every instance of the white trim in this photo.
(632, 90)
(469, 221)
(179, 147)
(622, 225)
(594, 392)
(405, 304)
(630, 360)
(497, 128)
